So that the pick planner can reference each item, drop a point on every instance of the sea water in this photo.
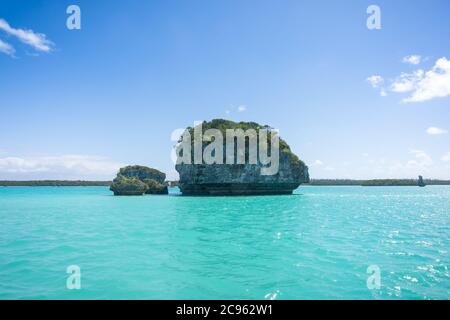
(315, 244)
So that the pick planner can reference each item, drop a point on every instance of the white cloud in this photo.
(446, 157)
(375, 81)
(421, 159)
(407, 82)
(413, 59)
(435, 131)
(6, 48)
(427, 85)
(242, 108)
(317, 163)
(420, 163)
(415, 163)
(58, 167)
(236, 109)
(38, 41)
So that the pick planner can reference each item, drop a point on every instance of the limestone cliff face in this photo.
(242, 179)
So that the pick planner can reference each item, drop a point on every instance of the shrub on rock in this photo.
(137, 180)
(143, 173)
(154, 187)
(125, 186)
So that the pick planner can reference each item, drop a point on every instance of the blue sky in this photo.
(351, 102)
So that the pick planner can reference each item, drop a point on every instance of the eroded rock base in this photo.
(227, 189)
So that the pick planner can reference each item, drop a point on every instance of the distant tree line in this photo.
(335, 182)
(54, 183)
(375, 182)
(389, 182)
(314, 182)
(436, 182)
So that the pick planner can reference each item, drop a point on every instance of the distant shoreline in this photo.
(376, 182)
(314, 182)
(54, 183)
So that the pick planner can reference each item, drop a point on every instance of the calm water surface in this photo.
(316, 244)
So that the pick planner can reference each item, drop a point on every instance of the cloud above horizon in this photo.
(6, 48)
(37, 41)
(415, 162)
(446, 157)
(317, 163)
(377, 82)
(414, 59)
(242, 108)
(422, 159)
(421, 85)
(425, 85)
(436, 131)
(58, 167)
(239, 109)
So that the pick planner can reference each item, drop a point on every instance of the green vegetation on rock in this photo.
(154, 187)
(128, 186)
(223, 125)
(243, 178)
(137, 180)
(142, 173)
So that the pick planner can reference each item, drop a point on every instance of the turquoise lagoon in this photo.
(315, 244)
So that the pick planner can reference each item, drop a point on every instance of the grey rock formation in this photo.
(242, 179)
(420, 182)
(123, 186)
(137, 180)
